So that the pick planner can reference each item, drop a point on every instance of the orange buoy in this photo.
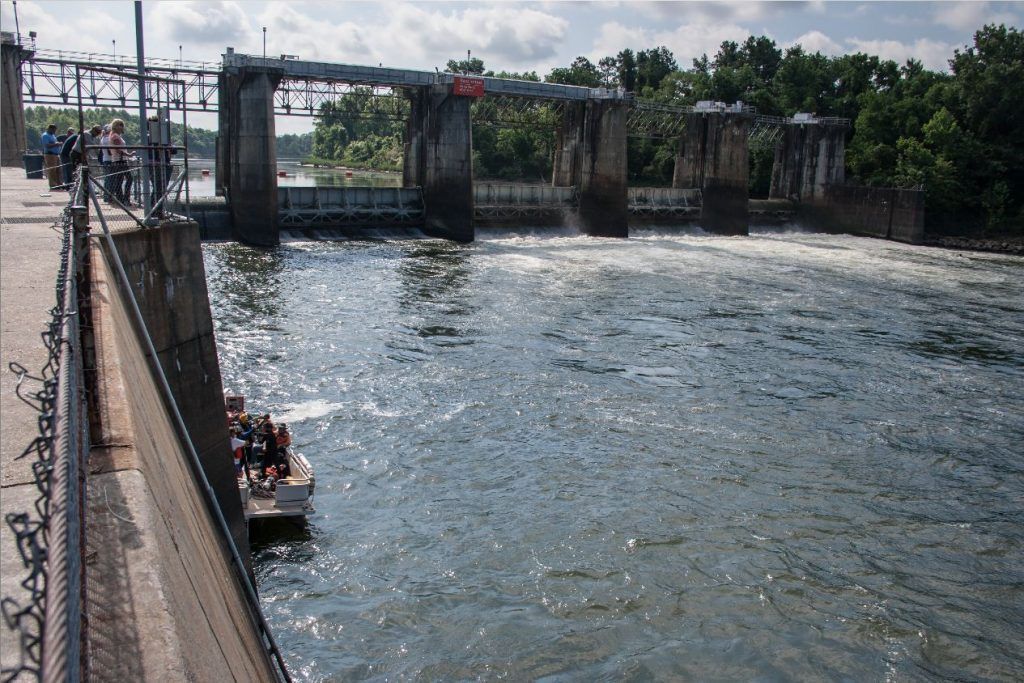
(348, 174)
(206, 171)
(282, 174)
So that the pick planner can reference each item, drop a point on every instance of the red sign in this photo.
(468, 87)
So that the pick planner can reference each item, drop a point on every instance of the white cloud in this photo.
(932, 53)
(208, 23)
(90, 32)
(613, 37)
(970, 16)
(816, 41)
(310, 37)
(504, 36)
(690, 41)
(687, 41)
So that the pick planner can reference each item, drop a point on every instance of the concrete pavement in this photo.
(29, 250)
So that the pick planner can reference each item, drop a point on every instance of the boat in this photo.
(272, 498)
(289, 497)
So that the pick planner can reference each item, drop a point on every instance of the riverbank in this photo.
(1007, 244)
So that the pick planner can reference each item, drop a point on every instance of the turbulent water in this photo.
(678, 457)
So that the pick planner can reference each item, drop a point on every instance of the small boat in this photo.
(290, 496)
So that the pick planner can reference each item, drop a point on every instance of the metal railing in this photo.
(50, 538)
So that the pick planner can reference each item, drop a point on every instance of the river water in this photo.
(788, 456)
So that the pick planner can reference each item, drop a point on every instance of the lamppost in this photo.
(179, 57)
(114, 43)
(264, 42)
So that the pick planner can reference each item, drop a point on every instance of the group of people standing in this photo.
(104, 150)
(260, 446)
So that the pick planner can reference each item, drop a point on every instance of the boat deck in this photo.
(267, 508)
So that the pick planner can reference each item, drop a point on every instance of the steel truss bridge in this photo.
(63, 78)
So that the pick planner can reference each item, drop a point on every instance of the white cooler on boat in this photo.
(290, 493)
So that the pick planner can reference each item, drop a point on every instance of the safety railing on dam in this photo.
(51, 537)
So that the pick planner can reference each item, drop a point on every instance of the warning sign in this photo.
(468, 87)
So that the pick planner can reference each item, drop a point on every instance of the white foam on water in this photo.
(307, 410)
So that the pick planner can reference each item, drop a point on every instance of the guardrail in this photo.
(50, 539)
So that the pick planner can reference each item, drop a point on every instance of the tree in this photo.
(652, 66)
(469, 65)
(627, 69)
(609, 69)
(581, 72)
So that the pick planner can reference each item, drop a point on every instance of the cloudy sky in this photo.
(515, 36)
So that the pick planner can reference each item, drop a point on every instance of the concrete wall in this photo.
(569, 145)
(874, 211)
(446, 165)
(163, 600)
(165, 267)
(715, 157)
(603, 201)
(809, 158)
(714, 145)
(12, 109)
(247, 146)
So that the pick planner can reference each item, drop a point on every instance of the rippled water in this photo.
(788, 456)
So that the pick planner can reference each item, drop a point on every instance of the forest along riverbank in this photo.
(673, 456)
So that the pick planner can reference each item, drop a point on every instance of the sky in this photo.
(511, 36)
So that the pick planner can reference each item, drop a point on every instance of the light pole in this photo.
(114, 43)
(264, 42)
(179, 57)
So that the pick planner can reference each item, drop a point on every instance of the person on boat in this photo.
(237, 449)
(245, 422)
(269, 446)
(284, 438)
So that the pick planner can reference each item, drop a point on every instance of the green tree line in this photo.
(959, 135)
(202, 143)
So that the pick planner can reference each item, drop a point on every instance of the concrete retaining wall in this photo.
(874, 211)
(165, 268)
(164, 601)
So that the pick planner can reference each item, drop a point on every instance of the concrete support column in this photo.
(412, 162)
(603, 209)
(810, 157)
(12, 107)
(691, 154)
(714, 156)
(251, 154)
(445, 162)
(222, 162)
(568, 146)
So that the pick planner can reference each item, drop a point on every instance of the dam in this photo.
(547, 455)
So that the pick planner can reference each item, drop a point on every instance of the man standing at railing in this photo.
(51, 155)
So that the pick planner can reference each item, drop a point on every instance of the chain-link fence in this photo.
(50, 538)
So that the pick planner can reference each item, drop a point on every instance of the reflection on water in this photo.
(674, 457)
(205, 184)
